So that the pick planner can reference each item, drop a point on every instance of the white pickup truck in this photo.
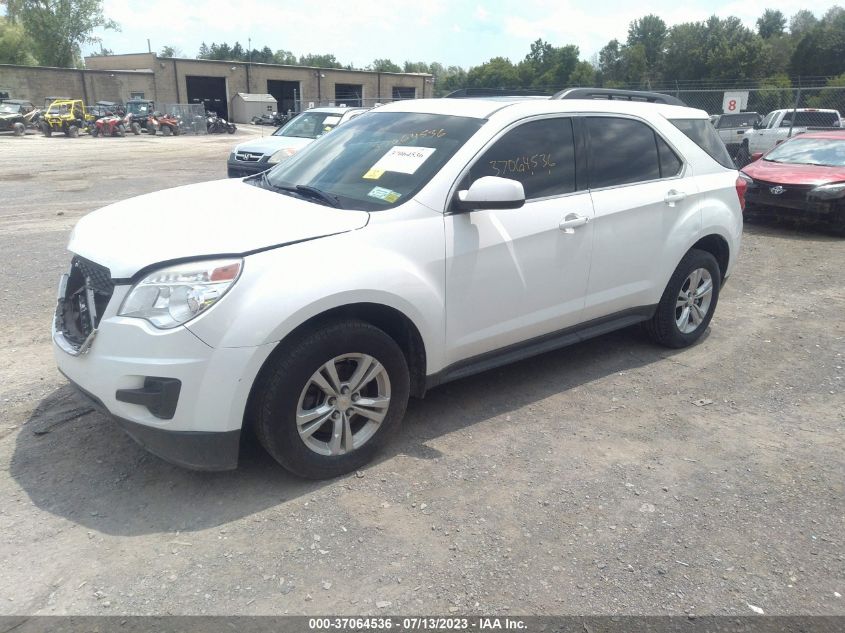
(776, 125)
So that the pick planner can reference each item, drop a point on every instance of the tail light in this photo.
(741, 188)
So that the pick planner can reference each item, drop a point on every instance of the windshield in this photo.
(138, 108)
(737, 120)
(9, 108)
(310, 125)
(810, 151)
(377, 160)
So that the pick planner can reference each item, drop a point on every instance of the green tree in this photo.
(771, 23)
(821, 49)
(610, 63)
(284, 57)
(802, 22)
(15, 45)
(449, 79)
(319, 61)
(59, 28)
(547, 66)
(650, 32)
(635, 66)
(385, 66)
(686, 52)
(584, 75)
(170, 51)
(499, 72)
(415, 67)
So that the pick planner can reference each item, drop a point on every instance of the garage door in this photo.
(349, 94)
(287, 93)
(211, 92)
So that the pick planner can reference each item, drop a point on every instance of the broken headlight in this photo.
(174, 295)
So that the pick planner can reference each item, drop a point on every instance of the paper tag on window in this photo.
(388, 195)
(374, 174)
(403, 159)
(331, 120)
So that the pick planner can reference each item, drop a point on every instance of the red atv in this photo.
(167, 124)
(109, 125)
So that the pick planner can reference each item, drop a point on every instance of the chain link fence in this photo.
(192, 117)
(762, 100)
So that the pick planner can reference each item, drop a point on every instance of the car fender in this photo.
(721, 214)
(282, 288)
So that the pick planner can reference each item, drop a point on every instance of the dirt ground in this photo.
(585, 481)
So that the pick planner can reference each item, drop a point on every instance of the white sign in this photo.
(734, 102)
(403, 159)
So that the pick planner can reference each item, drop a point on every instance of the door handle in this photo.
(673, 196)
(572, 221)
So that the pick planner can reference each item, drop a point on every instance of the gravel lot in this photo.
(583, 481)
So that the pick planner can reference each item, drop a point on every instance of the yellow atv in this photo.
(68, 116)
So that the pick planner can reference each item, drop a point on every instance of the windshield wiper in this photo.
(301, 191)
(328, 198)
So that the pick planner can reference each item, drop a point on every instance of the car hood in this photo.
(9, 115)
(222, 217)
(786, 174)
(270, 144)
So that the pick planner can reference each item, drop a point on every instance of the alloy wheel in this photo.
(693, 300)
(343, 404)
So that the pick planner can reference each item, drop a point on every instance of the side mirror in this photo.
(756, 156)
(491, 192)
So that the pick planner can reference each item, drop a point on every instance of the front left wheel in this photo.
(330, 400)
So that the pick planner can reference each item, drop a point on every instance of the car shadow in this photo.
(790, 229)
(73, 462)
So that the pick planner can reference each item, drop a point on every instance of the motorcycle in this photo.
(167, 124)
(217, 125)
(275, 119)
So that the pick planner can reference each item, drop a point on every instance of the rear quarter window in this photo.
(700, 132)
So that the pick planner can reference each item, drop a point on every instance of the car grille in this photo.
(248, 157)
(778, 194)
(86, 294)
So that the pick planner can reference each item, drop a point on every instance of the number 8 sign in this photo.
(735, 101)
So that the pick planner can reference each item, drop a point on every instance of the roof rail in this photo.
(621, 95)
(470, 93)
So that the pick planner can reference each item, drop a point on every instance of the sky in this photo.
(463, 33)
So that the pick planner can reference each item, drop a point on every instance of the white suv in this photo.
(422, 242)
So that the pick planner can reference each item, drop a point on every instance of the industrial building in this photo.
(210, 82)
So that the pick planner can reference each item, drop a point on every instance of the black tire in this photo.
(282, 381)
(121, 130)
(231, 129)
(166, 130)
(663, 327)
(151, 130)
(95, 132)
(743, 156)
(73, 131)
(136, 129)
(48, 131)
(19, 129)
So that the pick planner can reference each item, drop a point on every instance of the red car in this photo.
(802, 178)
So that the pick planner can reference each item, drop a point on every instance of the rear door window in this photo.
(670, 164)
(811, 119)
(622, 151)
(539, 154)
(703, 135)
